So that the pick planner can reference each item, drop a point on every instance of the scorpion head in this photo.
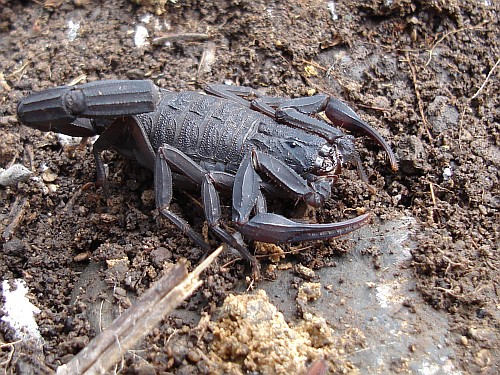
(320, 162)
(307, 154)
(328, 161)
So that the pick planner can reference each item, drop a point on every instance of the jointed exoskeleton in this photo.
(265, 147)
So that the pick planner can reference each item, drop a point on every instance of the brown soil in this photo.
(422, 72)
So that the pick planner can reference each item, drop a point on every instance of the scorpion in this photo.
(230, 138)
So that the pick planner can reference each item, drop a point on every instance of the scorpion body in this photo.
(275, 146)
(216, 133)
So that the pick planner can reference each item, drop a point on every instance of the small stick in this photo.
(431, 186)
(19, 70)
(486, 80)
(12, 347)
(191, 37)
(382, 109)
(161, 298)
(17, 212)
(417, 94)
(3, 83)
(77, 80)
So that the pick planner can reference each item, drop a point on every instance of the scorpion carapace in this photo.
(255, 149)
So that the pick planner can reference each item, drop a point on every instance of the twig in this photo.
(17, 212)
(417, 94)
(491, 265)
(9, 344)
(369, 348)
(136, 322)
(461, 126)
(20, 69)
(486, 80)
(448, 291)
(77, 80)
(100, 315)
(438, 186)
(431, 187)
(315, 64)
(68, 208)
(382, 109)
(192, 37)
(3, 83)
(11, 352)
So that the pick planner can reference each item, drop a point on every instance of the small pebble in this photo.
(193, 356)
(447, 173)
(49, 176)
(305, 272)
(14, 174)
(309, 291)
(81, 257)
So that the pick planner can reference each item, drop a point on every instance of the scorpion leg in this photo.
(273, 228)
(124, 127)
(211, 203)
(118, 130)
(163, 196)
(234, 93)
(297, 112)
(262, 103)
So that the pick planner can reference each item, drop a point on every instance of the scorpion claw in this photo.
(57, 109)
(340, 114)
(269, 227)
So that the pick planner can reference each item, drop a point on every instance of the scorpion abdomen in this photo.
(213, 131)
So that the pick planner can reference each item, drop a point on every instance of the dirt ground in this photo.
(424, 73)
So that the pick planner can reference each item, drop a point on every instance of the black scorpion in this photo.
(264, 147)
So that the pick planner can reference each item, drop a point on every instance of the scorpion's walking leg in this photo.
(120, 130)
(269, 227)
(163, 197)
(234, 93)
(129, 126)
(171, 156)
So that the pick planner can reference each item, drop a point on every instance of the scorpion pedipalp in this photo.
(340, 114)
(269, 227)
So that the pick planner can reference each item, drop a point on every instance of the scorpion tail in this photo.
(58, 109)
